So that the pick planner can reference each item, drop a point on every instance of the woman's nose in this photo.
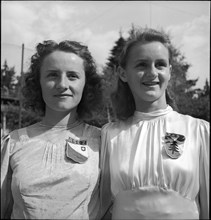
(152, 70)
(62, 82)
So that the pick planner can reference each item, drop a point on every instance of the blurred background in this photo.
(105, 26)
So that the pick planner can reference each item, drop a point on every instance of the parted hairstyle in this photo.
(92, 93)
(122, 99)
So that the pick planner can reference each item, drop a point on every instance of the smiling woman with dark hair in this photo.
(49, 170)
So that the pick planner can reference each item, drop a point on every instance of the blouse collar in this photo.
(151, 115)
(55, 127)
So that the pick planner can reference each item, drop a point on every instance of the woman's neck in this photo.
(62, 119)
(151, 106)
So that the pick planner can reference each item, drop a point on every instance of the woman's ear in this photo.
(170, 70)
(122, 74)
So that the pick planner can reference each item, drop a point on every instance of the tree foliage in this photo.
(190, 100)
(8, 80)
(115, 52)
(10, 95)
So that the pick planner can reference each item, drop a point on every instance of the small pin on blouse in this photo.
(174, 145)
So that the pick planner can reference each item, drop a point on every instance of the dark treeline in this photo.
(189, 100)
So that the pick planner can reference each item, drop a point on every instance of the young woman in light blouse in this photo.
(50, 170)
(154, 160)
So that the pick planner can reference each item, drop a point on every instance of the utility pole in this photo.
(4, 123)
(150, 14)
(21, 83)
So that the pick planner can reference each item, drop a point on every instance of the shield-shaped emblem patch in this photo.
(77, 150)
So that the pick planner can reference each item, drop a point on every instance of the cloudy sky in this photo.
(98, 23)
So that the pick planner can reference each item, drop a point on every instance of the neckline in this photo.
(151, 115)
(68, 126)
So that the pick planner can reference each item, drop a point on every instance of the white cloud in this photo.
(16, 12)
(31, 22)
(99, 44)
(16, 22)
(193, 38)
(102, 44)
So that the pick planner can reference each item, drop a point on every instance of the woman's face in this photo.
(62, 79)
(147, 73)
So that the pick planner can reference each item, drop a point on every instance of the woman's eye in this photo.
(52, 74)
(141, 65)
(161, 64)
(72, 76)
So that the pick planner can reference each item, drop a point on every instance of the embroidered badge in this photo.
(174, 144)
(76, 150)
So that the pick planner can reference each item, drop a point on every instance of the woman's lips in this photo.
(150, 83)
(63, 95)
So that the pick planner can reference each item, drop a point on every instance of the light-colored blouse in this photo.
(39, 181)
(151, 176)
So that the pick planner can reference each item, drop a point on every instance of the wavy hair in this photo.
(122, 99)
(92, 93)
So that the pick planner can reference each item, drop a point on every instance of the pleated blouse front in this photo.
(135, 164)
(45, 183)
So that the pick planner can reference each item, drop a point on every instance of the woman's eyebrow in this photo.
(141, 60)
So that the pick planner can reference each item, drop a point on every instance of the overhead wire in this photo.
(15, 45)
